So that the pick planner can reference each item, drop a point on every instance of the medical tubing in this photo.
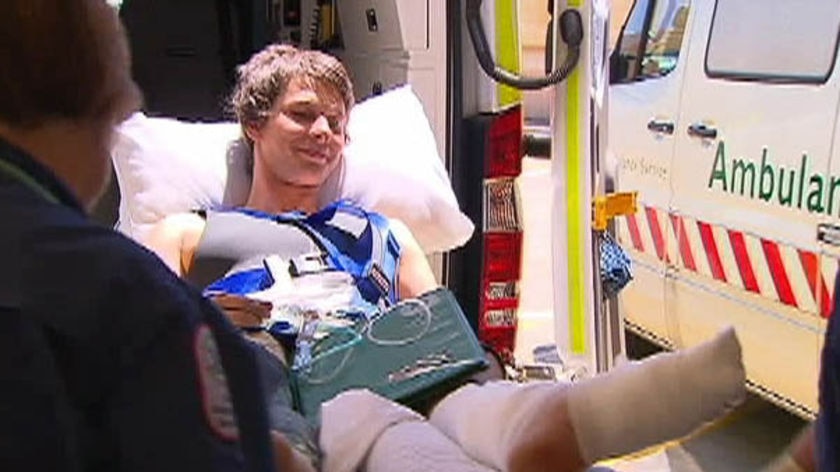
(356, 338)
(409, 340)
(306, 368)
(346, 347)
(571, 31)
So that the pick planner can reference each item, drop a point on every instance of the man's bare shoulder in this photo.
(175, 239)
(401, 231)
(177, 227)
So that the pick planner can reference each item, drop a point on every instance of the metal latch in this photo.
(829, 234)
(611, 205)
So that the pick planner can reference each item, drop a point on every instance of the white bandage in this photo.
(662, 397)
(632, 407)
(350, 425)
(417, 446)
(486, 420)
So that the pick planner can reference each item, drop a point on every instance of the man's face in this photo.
(302, 141)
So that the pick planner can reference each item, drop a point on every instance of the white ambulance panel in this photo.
(643, 112)
(384, 25)
(756, 185)
(749, 180)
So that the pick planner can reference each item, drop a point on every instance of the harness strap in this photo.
(338, 230)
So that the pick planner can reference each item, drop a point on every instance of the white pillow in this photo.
(391, 166)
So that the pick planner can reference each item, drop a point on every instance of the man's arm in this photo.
(803, 449)
(800, 455)
(415, 274)
(175, 238)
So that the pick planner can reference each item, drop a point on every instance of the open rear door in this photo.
(588, 328)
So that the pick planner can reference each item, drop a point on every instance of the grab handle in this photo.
(663, 127)
(699, 130)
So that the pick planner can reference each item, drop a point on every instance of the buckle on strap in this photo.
(310, 263)
(379, 280)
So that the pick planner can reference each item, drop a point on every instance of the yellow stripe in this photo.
(507, 49)
(19, 175)
(574, 208)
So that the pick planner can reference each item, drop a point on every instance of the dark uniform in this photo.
(108, 361)
(828, 422)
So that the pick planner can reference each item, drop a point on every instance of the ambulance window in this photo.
(651, 40)
(778, 41)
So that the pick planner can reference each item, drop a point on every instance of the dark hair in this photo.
(62, 59)
(268, 73)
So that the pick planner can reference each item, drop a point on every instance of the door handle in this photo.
(663, 127)
(699, 130)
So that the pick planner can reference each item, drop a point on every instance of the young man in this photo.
(108, 361)
(293, 107)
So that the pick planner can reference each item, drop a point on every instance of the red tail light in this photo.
(502, 256)
(504, 157)
(502, 234)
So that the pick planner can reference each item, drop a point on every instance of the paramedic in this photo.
(293, 107)
(108, 361)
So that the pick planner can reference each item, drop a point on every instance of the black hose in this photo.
(571, 31)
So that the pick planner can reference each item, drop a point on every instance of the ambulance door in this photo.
(751, 183)
(647, 69)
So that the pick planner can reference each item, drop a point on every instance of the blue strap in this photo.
(372, 258)
(241, 283)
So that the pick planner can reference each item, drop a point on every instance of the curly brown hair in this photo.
(268, 73)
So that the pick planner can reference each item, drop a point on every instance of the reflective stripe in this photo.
(373, 267)
(507, 48)
(776, 270)
(20, 176)
(575, 210)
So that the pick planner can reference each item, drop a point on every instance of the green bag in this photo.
(419, 348)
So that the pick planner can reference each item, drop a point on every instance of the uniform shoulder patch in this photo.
(213, 385)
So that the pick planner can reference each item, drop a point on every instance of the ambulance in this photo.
(723, 115)
(462, 60)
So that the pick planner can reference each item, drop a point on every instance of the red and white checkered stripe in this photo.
(796, 277)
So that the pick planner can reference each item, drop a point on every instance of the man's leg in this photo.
(417, 446)
(300, 436)
(548, 426)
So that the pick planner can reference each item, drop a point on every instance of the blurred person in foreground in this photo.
(108, 361)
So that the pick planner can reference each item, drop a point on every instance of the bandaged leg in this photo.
(549, 426)
(417, 446)
(351, 424)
